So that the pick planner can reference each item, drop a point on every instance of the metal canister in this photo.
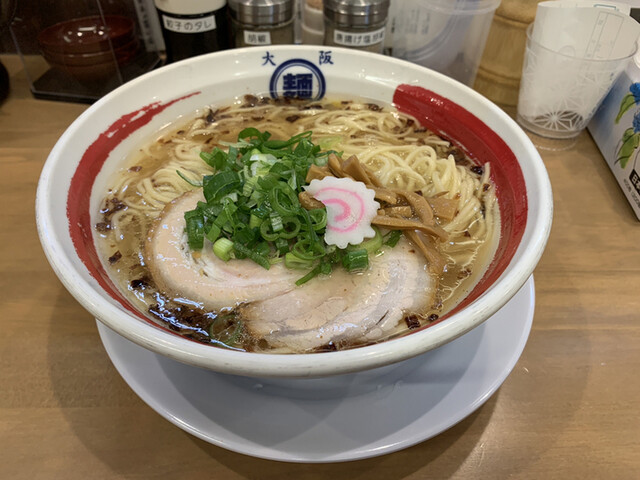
(358, 24)
(262, 22)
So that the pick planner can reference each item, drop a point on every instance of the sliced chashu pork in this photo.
(201, 276)
(345, 307)
(341, 308)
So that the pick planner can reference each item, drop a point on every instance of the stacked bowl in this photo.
(90, 48)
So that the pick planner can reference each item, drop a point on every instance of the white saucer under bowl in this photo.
(358, 419)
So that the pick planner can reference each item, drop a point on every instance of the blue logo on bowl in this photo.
(298, 78)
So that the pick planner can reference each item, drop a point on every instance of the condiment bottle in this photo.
(358, 24)
(193, 27)
(262, 22)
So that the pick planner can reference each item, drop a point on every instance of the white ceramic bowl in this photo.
(75, 174)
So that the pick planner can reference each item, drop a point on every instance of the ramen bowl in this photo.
(74, 181)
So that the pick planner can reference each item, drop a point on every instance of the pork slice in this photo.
(345, 308)
(201, 277)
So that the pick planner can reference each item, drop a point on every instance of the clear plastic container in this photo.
(78, 51)
(445, 35)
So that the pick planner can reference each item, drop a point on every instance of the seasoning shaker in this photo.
(358, 24)
(262, 22)
(193, 27)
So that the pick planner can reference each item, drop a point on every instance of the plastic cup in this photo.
(560, 92)
(444, 35)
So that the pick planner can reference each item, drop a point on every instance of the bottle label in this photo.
(257, 38)
(350, 39)
(189, 25)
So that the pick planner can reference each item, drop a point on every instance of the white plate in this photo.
(357, 419)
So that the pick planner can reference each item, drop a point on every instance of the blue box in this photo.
(615, 128)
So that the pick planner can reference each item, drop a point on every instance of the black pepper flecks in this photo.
(412, 320)
(103, 227)
(477, 169)
(115, 257)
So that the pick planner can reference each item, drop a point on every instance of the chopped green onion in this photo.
(248, 187)
(371, 245)
(318, 218)
(254, 221)
(267, 183)
(195, 229)
(213, 233)
(276, 222)
(267, 231)
(232, 156)
(217, 159)
(222, 249)
(283, 199)
(291, 260)
(261, 260)
(278, 144)
(282, 246)
(326, 268)
(263, 249)
(193, 183)
(261, 211)
(303, 249)
(313, 273)
(244, 235)
(217, 186)
(290, 227)
(209, 211)
(251, 132)
(392, 238)
(315, 243)
(251, 208)
(233, 338)
(356, 260)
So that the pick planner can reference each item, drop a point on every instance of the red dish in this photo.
(123, 54)
(85, 35)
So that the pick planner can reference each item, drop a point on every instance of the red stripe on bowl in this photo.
(79, 197)
(483, 145)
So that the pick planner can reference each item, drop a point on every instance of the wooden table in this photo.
(568, 410)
